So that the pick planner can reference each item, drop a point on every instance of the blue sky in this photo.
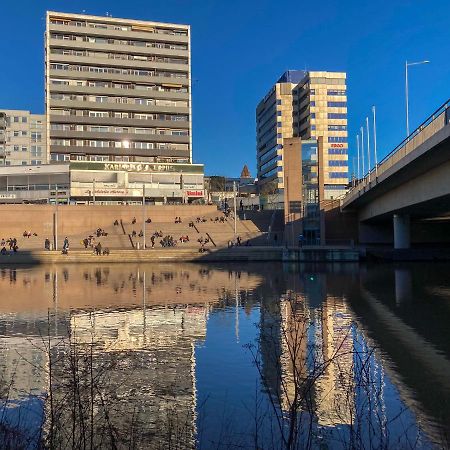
(239, 49)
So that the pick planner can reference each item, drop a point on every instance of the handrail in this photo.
(368, 177)
(425, 123)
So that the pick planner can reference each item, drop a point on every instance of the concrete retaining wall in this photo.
(248, 254)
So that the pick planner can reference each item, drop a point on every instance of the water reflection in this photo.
(154, 356)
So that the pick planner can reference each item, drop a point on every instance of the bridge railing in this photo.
(423, 132)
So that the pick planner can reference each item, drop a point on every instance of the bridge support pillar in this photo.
(402, 233)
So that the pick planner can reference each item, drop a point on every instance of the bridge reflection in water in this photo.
(359, 354)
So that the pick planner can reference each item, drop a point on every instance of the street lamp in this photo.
(407, 64)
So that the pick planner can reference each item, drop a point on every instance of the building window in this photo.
(337, 139)
(279, 124)
(24, 148)
(279, 113)
(337, 127)
(337, 116)
(24, 120)
(337, 163)
(338, 151)
(336, 92)
(278, 102)
(338, 174)
(337, 104)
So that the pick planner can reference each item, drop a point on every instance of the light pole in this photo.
(375, 140)
(357, 145)
(368, 147)
(235, 218)
(407, 64)
(362, 151)
(143, 216)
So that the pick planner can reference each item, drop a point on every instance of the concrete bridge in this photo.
(405, 199)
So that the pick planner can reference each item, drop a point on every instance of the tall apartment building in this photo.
(117, 90)
(308, 105)
(22, 138)
(2, 138)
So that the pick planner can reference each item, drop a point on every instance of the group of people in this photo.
(89, 241)
(220, 219)
(200, 220)
(28, 234)
(178, 220)
(238, 243)
(100, 232)
(167, 241)
(184, 239)
(12, 243)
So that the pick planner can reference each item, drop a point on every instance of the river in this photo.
(225, 356)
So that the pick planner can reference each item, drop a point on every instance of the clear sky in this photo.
(239, 49)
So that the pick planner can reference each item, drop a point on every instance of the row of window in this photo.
(117, 71)
(118, 144)
(336, 92)
(338, 174)
(118, 85)
(337, 115)
(112, 41)
(122, 100)
(16, 119)
(34, 149)
(337, 127)
(338, 151)
(118, 115)
(119, 56)
(271, 162)
(63, 157)
(272, 172)
(35, 136)
(337, 104)
(104, 26)
(33, 162)
(122, 130)
(337, 139)
(332, 163)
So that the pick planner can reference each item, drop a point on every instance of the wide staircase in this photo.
(251, 226)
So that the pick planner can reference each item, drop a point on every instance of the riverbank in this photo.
(249, 254)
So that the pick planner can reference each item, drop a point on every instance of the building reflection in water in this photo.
(316, 362)
(141, 329)
(140, 326)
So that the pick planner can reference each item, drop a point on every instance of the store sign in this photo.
(136, 167)
(337, 145)
(8, 196)
(196, 193)
(106, 192)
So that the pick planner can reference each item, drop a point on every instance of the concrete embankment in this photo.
(250, 254)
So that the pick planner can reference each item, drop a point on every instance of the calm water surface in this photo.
(225, 356)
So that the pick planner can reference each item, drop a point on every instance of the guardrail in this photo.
(435, 122)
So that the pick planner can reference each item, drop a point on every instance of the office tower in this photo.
(308, 105)
(22, 138)
(117, 90)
